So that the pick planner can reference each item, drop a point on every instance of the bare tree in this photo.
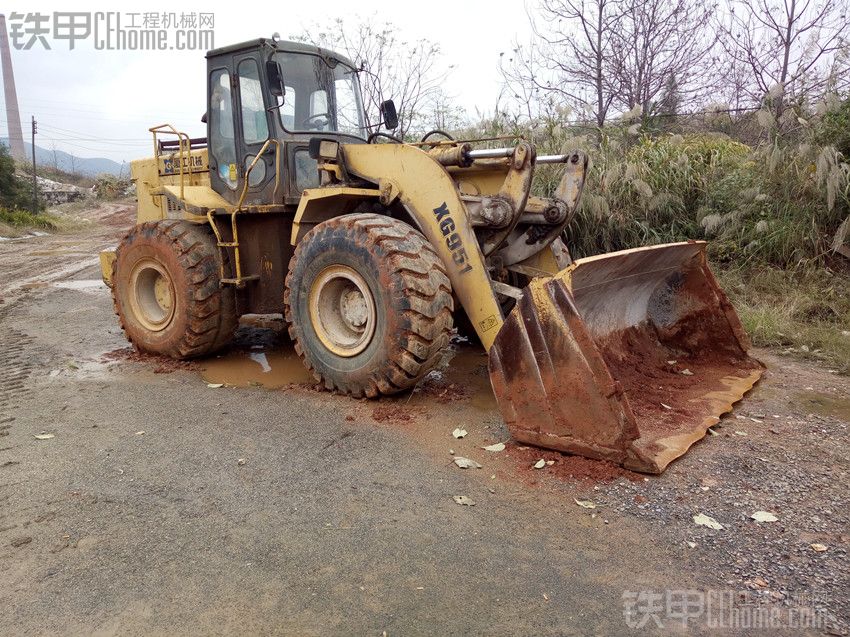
(570, 56)
(792, 50)
(607, 54)
(443, 113)
(407, 72)
(659, 44)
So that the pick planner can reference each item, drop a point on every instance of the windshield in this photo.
(318, 97)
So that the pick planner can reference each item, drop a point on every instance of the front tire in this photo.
(368, 303)
(167, 291)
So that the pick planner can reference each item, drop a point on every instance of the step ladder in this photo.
(240, 280)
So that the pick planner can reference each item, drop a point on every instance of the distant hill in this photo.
(89, 166)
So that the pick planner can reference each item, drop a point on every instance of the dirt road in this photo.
(136, 499)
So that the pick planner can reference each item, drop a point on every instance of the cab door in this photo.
(237, 129)
(253, 132)
(221, 133)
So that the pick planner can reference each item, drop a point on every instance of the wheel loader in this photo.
(372, 247)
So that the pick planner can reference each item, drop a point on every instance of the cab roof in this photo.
(281, 45)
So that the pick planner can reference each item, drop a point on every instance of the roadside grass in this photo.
(14, 223)
(24, 220)
(804, 313)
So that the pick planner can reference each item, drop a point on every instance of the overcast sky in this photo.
(100, 103)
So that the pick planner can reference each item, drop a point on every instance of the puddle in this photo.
(271, 369)
(84, 284)
(465, 381)
(31, 235)
(826, 405)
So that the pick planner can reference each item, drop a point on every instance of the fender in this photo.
(429, 194)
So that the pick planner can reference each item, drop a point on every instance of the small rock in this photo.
(764, 516)
(466, 463)
(818, 548)
(706, 520)
(540, 464)
(686, 372)
(463, 500)
(758, 582)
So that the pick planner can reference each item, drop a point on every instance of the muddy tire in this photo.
(368, 303)
(166, 290)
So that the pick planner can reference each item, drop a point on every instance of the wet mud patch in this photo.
(826, 405)
(158, 364)
(564, 467)
(396, 413)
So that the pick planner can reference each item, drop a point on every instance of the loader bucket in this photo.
(629, 357)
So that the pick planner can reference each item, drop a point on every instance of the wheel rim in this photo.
(152, 294)
(342, 310)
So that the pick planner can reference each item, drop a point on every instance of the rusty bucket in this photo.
(629, 357)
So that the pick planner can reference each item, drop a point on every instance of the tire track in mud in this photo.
(15, 369)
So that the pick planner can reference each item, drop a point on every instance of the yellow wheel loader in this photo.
(371, 247)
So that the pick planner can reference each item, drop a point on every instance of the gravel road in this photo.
(135, 499)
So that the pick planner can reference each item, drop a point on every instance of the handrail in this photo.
(181, 137)
(270, 140)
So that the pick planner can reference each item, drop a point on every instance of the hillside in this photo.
(66, 162)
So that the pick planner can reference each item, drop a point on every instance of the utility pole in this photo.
(34, 180)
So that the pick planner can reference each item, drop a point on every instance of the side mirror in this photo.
(275, 78)
(389, 115)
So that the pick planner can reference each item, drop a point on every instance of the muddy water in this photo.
(826, 405)
(273, 367)
(468, 368)
(270, 368)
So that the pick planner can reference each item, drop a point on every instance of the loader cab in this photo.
(287, 91)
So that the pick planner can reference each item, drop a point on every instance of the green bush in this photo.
(776, 205)
(26, 219)
(833, 128)
(15, 193)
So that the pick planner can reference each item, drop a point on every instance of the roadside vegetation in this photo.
(16, 203)
(772, 210)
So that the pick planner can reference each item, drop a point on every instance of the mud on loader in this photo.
(370, 247)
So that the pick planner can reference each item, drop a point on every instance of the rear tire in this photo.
(167, 292)
(368, 303)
